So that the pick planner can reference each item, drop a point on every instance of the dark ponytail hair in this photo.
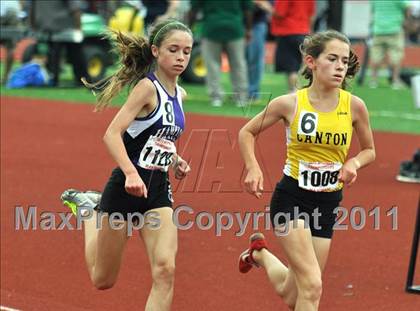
(136, 60)
(315, 44)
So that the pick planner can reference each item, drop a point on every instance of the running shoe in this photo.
(75, 199)
(256, 242)
(94, 195)
(409, 172)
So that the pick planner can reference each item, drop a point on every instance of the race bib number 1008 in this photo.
(316, 176)
(157, 154)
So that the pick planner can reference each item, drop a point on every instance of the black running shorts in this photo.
(290, 202)
(115, 198)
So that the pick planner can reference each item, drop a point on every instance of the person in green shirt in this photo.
(388, 38)
(224, 29)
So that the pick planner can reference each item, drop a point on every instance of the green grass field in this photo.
(390, 110)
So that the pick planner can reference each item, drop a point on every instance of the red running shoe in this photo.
(256, 242)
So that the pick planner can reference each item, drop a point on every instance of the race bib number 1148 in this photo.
(157, 154)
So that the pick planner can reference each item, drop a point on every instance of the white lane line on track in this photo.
(4, 308)
(393, 114)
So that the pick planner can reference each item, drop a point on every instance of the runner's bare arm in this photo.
(139, 97)
(281, 108)
(361, 125)
(141, 100)
(363, 132)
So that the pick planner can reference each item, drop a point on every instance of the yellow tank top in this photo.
(318, 143)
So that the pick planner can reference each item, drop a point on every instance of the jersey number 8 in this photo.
(168, 116)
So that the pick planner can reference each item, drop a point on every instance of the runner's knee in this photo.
(163, 271)
(311, 288)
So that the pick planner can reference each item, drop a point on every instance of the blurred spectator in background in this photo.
(103, 8)
(335, 14)
(291, 22)
(255, 50)
(410, 170)
(387, 38)
(158, 10)
(412, 22)
(10, 17)
(223, 29)
(52, 18)
(321, 16)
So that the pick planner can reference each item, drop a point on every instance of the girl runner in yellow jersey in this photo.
(319, 120)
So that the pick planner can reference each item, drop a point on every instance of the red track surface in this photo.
(49, 146)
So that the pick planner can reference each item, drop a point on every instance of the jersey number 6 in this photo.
(307, 123)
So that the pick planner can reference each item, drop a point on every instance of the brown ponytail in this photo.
(136, 60)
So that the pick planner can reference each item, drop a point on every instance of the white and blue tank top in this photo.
(150, 140)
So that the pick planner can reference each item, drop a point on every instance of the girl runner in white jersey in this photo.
(141, 140)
